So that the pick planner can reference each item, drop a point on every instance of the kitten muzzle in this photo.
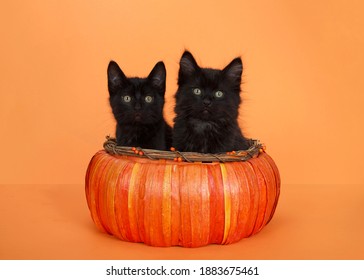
(206, 114)
(138, 117)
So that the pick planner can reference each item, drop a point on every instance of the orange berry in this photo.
(179, 159)
(141, 153)
(133, 149)
(175, 159)
(173, 149)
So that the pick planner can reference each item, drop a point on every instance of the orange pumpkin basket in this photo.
(169, 198)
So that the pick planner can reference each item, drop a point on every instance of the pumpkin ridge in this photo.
(275, 170)
(166, 206)
(133, 196)
(99, 197)
(270, 179)
(92, 193)
(258, 198)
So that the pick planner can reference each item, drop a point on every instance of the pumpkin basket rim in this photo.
(256, 147)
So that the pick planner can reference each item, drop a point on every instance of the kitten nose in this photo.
(137, 106)
(207, 102)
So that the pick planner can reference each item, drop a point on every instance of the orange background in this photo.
(303, 84)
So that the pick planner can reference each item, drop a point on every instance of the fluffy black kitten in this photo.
(207, 104)
(137, 105)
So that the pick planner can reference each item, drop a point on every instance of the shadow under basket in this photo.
(170, 198)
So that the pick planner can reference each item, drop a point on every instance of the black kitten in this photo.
(207, 105)
(137, 105)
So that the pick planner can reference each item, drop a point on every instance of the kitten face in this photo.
(137, 101)
(206, 94)
(207, 106)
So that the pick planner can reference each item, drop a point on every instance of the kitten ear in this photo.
(188, 66)
(115, 77)
(233, 71)
(158, 77)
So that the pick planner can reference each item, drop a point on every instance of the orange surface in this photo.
(53, 222)
(303, 91)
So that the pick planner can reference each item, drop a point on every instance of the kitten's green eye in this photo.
(126, 98)
(148, 99)
(219, 94)
(196, 91)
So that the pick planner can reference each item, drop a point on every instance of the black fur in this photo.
(139, 123)
(206, 122)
